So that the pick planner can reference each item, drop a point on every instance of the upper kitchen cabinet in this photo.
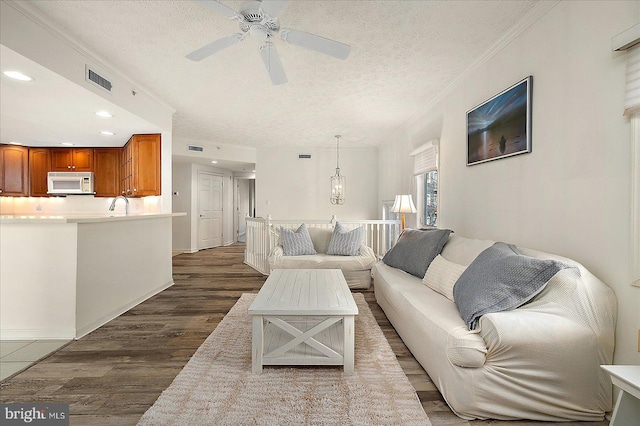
(140, 166)
(72, 159)
(106, 170)
(39, 166)
(14, 171)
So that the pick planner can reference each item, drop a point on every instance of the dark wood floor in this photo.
(114, 374)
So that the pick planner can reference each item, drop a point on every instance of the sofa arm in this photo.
(275, 256)
(546, 346)
(521, 334)
(367, 251)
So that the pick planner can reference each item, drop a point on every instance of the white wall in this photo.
(291, 188)
(37, 289)
(212, 149)
(181, 225)
(119, 265)
(571, 195)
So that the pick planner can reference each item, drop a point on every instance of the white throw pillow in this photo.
(442, 275)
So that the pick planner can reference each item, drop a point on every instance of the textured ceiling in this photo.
(403, 53)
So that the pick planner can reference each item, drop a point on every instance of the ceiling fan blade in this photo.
(315, 42)
(273, 8)
(219, 7)
(272, 63)
(214, 47)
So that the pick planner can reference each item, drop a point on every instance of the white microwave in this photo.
(70, 183)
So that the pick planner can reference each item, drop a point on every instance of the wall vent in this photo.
(96, 79)
(304, 155)
(195, 148)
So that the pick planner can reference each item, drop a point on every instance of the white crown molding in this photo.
(537, 12)
(43, 21)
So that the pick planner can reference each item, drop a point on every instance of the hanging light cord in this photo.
(338, 153)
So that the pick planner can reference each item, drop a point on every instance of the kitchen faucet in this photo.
(113, 204)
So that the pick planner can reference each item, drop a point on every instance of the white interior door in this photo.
(209, 210)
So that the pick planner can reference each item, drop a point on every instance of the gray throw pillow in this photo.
(500, 279)
(296, 243)
(344, 242)
(416, 249)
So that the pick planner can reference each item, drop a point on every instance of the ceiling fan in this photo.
(259, 19)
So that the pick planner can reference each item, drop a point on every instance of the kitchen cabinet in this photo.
(106, 171)
(140, 166)
(14, 171)
(39, 166)
(71, 159)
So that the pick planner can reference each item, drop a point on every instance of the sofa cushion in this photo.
(320, 238)
(415, 250)
(427, 314)
(442, 275)
(500, 279)
(344, 242)
(296, 243)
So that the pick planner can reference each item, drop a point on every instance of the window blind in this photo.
(632, 95)
(425, 158)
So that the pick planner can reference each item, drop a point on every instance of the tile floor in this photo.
(16, 355)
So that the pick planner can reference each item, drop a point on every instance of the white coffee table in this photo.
(303, 317)
(627, 409)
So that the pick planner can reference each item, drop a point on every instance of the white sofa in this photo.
(356, 269)
(540, 361)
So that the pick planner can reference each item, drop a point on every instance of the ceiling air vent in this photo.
(195, 148)
(97, 80)
(304, 156)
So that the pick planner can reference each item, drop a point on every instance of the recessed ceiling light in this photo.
(106, 133)
(214, 161)
(104, 114)
(66, 143)
(253, 171)
(17, 75)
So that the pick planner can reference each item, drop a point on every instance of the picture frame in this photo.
(501, 126)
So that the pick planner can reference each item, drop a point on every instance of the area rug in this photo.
(217, 387)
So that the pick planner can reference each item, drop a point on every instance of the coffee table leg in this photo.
(257, 346)
(349, 340)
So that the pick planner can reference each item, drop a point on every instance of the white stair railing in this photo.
(262, 235)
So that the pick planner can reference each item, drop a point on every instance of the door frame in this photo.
(236, 204)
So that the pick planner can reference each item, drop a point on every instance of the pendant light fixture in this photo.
(338, 182)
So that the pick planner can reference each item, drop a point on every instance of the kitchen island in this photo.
(63, 276)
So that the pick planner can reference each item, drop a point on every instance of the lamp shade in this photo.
(403, 204)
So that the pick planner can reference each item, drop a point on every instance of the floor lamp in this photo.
(403, 204)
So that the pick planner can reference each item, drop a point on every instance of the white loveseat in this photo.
(356, 269)
(539, 361)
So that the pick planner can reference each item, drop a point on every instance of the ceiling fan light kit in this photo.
(259, 19)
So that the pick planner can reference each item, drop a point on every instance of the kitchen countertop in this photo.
(82, 217)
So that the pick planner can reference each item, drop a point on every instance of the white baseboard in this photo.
(88, 328)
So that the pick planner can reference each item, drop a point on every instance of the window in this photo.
(425, 170)
(430, 200)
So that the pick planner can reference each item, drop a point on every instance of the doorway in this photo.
(244, 206)
(209, 210)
